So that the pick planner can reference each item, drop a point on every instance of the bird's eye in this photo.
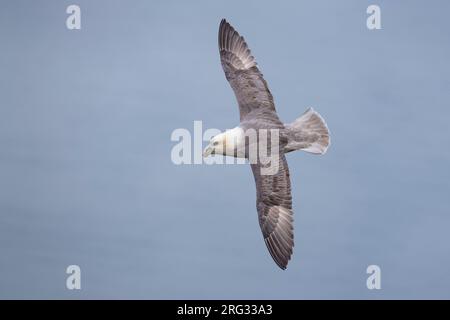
(215, 143)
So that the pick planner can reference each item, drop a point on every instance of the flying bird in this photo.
(257, 111)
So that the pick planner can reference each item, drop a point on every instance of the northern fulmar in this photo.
(257, 112)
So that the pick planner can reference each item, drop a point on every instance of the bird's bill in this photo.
(208, 151)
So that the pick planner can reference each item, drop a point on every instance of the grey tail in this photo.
(308, 133)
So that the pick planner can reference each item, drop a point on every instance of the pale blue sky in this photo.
(85, 170)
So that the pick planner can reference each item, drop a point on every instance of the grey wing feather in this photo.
(274, 205)
(240, 69)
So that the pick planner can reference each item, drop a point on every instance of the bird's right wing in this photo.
(240, 69)
(274, 205)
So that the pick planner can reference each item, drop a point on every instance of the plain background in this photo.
(86, 176)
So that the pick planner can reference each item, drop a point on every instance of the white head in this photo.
(225, 143)
(216, 145)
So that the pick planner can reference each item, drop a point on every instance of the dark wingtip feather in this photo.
(278, 257)
(231, 42)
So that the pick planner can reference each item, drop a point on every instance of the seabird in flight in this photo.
(257, 111)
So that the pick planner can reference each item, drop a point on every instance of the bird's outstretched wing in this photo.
(274, 205)
(247, 81)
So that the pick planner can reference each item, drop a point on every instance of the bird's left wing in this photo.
(274, 205)
(240, 69)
